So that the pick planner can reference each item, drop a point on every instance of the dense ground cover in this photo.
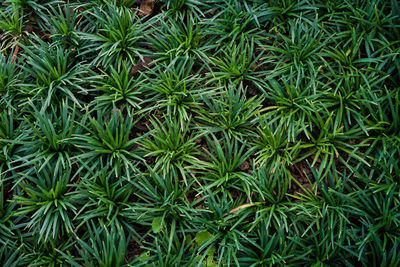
(199, 133)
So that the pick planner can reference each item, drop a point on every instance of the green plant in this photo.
(266, 250)
(50, 139)
(50, 253)
(233, 23)
(199, 133)
(7, 225)
(11, 24)
(379, 225)
(293, 103)
(12, 134)
(300, 50)
(224, 165)
(174, 148)
(64, 21)
(274, 148)
(53, 74)
(6, 133)
(237, 63)
(162, 200)
(107, 139)
(220, 233)
(119, 89)
(118, 37)
(163, 204)
(170, 249)
(230, 112)
(9, 255)
(178, 6)
(105, 247)
(332, 143)
(175, 89)
(175, 39)
(8, 78)
(281, 13)
(49, 201)
(270, 187)
(107, 199)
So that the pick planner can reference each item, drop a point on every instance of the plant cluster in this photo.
(207, 133)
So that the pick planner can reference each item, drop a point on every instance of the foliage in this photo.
(207, 133)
